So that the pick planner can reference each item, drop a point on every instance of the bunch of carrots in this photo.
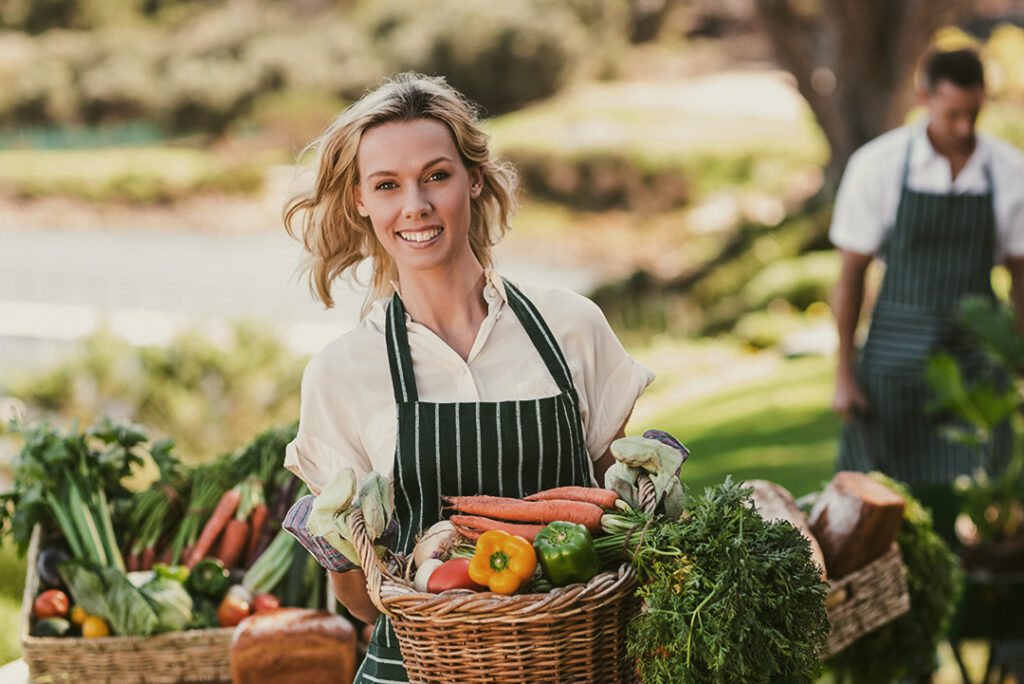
(474, 515)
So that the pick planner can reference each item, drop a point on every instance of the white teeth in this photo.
(421, 235)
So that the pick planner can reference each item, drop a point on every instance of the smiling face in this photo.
(952, 112)
(416, 191)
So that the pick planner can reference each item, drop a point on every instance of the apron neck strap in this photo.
(540, 335)
(403, 381)
(399, 357)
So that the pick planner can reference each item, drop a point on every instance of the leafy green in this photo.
(728, 596)
(73, 479)
(107, 592)
(906, 646)
(171, 603)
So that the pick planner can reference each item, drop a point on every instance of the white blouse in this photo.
(348, 415)
(866, 205)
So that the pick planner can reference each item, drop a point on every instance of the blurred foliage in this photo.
(207, 396)
(201, 66)
(136, 175)
(597, 180)
(993, 501)
(800, 281)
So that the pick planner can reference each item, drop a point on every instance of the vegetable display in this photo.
(115, 561)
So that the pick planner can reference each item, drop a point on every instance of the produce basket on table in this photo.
(575, 633)
(195, 655)
(866, 599)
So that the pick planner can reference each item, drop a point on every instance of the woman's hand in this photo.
(849, 399)
(350, 589)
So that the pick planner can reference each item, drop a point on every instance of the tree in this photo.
(854, 62)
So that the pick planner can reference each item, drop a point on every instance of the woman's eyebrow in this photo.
(430, 163)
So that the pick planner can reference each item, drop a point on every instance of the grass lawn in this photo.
(778, 427)
(12, 583)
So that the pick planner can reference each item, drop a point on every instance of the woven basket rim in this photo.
(212, 641)
(878, 595)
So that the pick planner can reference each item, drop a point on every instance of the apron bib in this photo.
(504, 448)
(940, 251)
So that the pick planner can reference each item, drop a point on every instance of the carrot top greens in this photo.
(729, 597)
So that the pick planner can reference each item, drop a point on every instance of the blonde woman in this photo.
(456, 381)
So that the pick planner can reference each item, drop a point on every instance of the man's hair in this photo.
(962, 68)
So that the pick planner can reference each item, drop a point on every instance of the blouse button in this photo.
(462, 370)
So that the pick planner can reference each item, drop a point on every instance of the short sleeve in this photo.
(608, 380)
(858, 222)
(327, 439)
(1008, 168)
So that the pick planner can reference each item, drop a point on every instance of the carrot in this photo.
(131, 561)
(602, 497)
(256, 522)
(221, 514)
(148, 556)
(503, 508)
(236, 536)
(467, 524)
(167, 555)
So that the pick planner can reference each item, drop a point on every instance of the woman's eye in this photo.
(385, 185)
(439, 175)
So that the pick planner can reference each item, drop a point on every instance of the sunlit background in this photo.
(678, 162)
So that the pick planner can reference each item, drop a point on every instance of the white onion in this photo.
(433, 542)
(423, 573)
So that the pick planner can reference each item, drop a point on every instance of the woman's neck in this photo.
(450, 302)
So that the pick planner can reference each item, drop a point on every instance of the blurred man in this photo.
(941, 204)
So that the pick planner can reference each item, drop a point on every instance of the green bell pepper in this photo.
(178, 573)
(567, 553)
(208, 578)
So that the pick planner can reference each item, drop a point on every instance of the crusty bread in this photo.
(855, 520)
(293, 646)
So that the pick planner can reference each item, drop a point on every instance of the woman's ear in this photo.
(476, 182)
(357, 196)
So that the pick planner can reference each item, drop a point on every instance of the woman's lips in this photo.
(420, 235)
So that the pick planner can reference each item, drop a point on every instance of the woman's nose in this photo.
(416, 203)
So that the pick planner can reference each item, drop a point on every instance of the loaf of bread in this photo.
(774, 502)
(293, 646)
(855, 520)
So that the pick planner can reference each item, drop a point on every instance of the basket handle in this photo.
(372, 567)
(647, 498)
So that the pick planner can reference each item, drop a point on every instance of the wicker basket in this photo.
(192, 656)
(866, 599)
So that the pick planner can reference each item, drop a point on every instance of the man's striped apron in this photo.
(504, 448)
(940, 251)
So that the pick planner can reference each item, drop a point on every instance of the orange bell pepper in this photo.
(503, 562)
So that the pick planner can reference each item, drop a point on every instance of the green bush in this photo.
(137, 175)
(601, 179)
(800, 281)
(501, 55)
(208, 397)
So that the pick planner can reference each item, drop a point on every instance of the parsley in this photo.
(728, 597)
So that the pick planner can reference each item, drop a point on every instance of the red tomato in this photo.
(264, 602)
(452, 574)
(231, 611)
(51, 603)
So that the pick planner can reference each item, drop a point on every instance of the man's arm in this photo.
(847, 301)
(1016, 268)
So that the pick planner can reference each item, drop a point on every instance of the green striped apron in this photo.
(940, 251)
(504, 448)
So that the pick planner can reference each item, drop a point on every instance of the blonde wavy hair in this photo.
(326, 221)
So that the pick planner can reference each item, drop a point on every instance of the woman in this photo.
(456, 381)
